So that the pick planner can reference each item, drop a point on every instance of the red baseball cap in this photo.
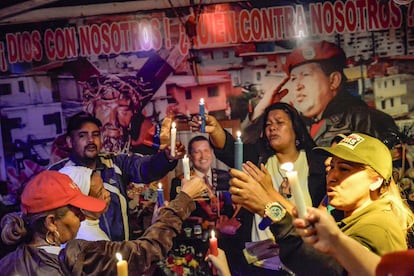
(49, 190)
(313, 52)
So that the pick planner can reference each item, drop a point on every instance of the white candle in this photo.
(297, 193)
(173, 138)
(121, 266)
(186, 167)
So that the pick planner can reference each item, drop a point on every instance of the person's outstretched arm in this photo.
(84, 257)
(320, 230)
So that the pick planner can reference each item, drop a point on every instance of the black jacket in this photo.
(346, 113)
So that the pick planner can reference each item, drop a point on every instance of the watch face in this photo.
(275, 211)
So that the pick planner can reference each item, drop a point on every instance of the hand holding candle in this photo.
(202, 115)
(297, 193)
(173, 138)
(186, 168)
(121, 266)
(238, 152)
(160, 195)
(213, 244)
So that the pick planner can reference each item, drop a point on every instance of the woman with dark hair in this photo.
(284, 138)
(52, 208)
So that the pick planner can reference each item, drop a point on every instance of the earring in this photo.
(56, 237)
(297, 142)
(47, 239)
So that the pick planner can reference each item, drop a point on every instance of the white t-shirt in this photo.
(273, 167)
(89, 230)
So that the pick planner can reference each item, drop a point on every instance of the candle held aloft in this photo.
(173, 138)
(213, 244)
(238, 152)
(297, 193)
(186, 167)
(202, 115)
(160, 195)
(121, 266)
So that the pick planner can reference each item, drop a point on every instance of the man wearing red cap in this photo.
(317, 86)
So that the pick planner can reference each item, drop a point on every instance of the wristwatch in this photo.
(274, 212)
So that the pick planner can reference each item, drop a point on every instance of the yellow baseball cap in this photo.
(363, 149)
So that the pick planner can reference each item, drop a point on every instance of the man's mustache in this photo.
(91, 146)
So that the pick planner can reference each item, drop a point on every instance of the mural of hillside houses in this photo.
(31, 118)
(188, 90)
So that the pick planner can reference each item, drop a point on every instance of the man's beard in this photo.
(85, 159)
(93, 148)
(89, 160)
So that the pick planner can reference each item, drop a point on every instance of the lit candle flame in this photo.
(213, 234)
(201, 101)
(118, 256)
(160, 185)
(287, 166)
(238, 134)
